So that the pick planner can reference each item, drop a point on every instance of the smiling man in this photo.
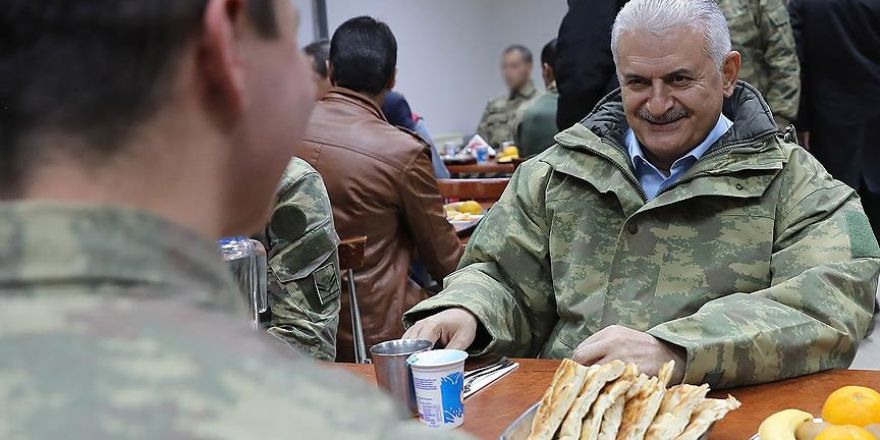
(674, 223)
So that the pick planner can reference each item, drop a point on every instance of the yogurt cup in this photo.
(438, 379)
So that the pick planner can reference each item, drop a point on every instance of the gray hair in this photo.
(661, 16)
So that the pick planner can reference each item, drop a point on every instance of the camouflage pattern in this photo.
(756, 261)
(117, 324)
(497, 124)
(760, 30)
(304, 281)
(535, 123)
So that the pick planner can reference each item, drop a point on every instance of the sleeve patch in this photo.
(861, 236)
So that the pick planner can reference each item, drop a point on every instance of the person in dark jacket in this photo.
(398, 112)
(584, 67)
(839, 48)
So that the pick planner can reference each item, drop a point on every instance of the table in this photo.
(490, 411)
(486, 168)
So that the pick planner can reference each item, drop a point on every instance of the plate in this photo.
(522, 426)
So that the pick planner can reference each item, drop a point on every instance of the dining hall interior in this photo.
(484, 219)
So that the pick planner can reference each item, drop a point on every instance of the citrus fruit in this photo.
(852, 405)
(470, 207)
(846, 432)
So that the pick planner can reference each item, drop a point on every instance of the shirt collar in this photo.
(637, 155)
(526, 92)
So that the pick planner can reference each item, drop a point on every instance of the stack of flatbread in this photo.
(614, 401)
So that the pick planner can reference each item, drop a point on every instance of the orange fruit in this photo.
(846, 432)
(852, 405)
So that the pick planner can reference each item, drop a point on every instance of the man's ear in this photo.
(330, 75)
(730, 72)
(393, 81)
(548, 72)
(218, 56)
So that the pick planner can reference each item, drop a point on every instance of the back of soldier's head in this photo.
(81, 80)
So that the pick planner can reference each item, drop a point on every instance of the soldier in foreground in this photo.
(134, 134)
(674, 223)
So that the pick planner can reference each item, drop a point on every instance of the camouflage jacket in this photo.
(756, 261)
(304, 282)
(496, 125)
(117, 324)
(760, 30)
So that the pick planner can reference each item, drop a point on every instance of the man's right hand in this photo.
(453, 328)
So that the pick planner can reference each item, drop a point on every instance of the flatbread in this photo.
(571, 426)
(639, 412)
(708, 412)
(665, 374)
(610, 394)
(675, 412)
(560, 395)
(611, 420)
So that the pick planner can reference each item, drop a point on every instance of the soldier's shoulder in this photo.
(163, 369)
(301, 177)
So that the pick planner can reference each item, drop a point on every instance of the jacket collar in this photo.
(343, 94)
(48, 243)
(747, 146)
(526, 92)
(749, 112)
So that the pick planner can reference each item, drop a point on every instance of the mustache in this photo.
(671, 115)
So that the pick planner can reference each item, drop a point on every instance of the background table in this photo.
(490, 411)
(482, 169)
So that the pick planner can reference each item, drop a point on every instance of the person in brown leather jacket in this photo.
(380, 182)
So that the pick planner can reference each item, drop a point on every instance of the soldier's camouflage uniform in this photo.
(304, 282)
(760, 30)
(497, 124)
(117, 324)
(756, 261)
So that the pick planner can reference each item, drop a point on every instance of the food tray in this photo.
(522, 426)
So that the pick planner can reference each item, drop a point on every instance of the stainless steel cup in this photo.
(393, 373)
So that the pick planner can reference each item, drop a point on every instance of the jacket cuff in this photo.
(484, 342)
(701, 365)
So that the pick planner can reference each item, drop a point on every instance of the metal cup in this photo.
(393, 373)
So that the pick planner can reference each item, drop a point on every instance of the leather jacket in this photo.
(381, 185)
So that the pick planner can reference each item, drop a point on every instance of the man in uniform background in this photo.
(760, 31)
(496, 124)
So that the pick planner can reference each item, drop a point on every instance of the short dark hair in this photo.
(320, 52)
(89, 69)
(524, 51)
(363, 54)
(548, 54)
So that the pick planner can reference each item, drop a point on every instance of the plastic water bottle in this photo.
(247, 261)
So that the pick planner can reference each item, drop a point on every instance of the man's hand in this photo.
(628, 345)
(454, 328)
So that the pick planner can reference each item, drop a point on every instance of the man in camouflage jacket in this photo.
(754, 265)
(304, 283)
(760, 31)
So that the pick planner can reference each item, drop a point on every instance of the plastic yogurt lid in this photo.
(437, 358)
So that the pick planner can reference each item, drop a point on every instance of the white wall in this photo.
(449, 50)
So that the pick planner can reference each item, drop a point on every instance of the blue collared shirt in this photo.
(652, 180)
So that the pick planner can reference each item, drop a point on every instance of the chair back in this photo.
(351, 253)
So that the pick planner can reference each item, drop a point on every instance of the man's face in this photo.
(322, 83)
(515, 69)
(672, 91)
(279, 97)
